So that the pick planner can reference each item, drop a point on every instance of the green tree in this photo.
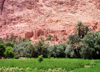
(74, 41)
(91, 46)
(32, 47)
(9, 52)
(2, 49)
(56, 50)
(44, 50)
(69, 52)
(22, 49)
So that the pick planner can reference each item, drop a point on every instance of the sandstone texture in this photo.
(35, 18)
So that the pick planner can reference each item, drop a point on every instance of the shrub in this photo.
(1, 40)
(16, 57)
(9, 44)
(40, 58)
(93, 62)
(49, 56)
(28, 55)
(9, 52)
(49, 37)
(12, 69)
(11, 37)
(2, 49)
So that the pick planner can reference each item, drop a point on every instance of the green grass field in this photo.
(52, 65)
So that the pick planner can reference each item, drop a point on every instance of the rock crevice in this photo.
(1, 6)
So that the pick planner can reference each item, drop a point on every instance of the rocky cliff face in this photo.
(35, 18)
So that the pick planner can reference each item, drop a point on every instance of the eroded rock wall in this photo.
(35, 18)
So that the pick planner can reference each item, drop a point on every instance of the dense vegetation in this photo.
(52, 58)
(83, 44)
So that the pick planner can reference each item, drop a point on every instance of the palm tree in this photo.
(81, 30)
(40, 44)
(86, 29)
(32, 47)
(74, 42)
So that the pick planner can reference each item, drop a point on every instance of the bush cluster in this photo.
(9, 52)
(16, 57)
(90, 48)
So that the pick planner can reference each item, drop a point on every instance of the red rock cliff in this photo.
(34, 18)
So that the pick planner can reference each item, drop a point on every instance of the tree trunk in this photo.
(79, 32)
(77, 53)
(40, 50)
(31, 53)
